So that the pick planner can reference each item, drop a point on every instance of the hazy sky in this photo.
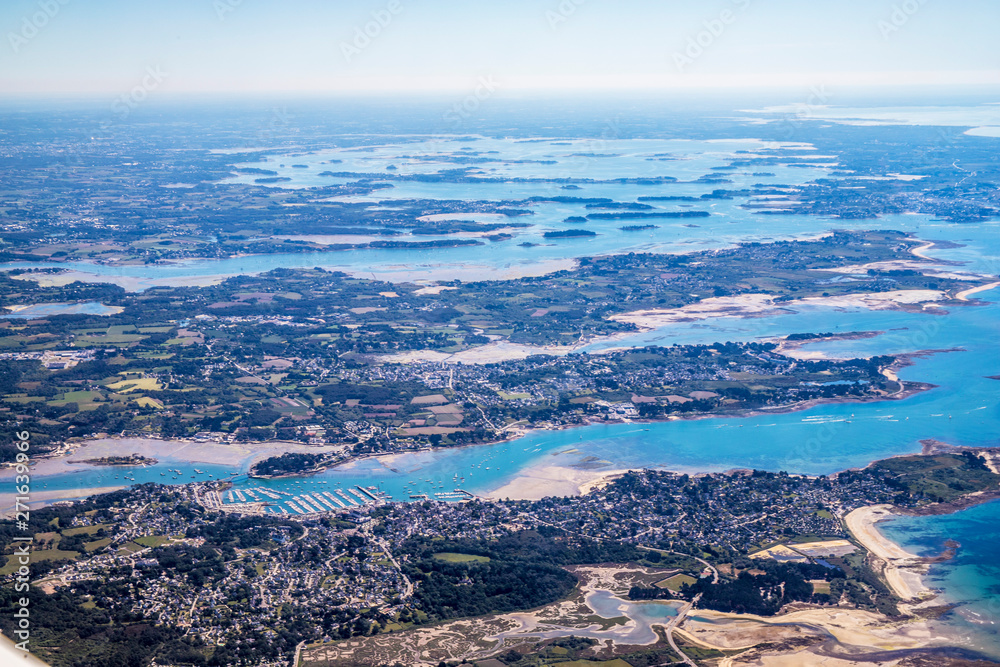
(111, 46)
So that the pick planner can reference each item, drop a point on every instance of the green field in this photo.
(152, 540)
(821, 587)
(125, 386)
(675, 582)
(96, 544)
(84, 530)
(40, 555)
(450, 557)
(599, 663)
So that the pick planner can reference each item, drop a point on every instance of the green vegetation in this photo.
(937, 479)
(676, 582)
(518, 571)
(288, 464)
(448, 557)
(762, 594)
(249, 367)
(152, 540)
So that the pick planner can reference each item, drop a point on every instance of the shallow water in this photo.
(641, 615)
(971, 579)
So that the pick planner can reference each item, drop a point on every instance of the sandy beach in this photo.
(236, 454)
(901, 568)
(906, 265)
(744, 305)
(537, 483)
(42, 498)
(782, 638)
(965, 294)
(128, 283)
(760, 305)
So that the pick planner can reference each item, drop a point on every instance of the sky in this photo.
(390, 46)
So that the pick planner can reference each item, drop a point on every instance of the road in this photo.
(674, 622)
(715, 573)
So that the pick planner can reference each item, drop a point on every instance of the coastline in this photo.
(901, 570)
(762, 305)
(793, 348)
(41, 498)
(73, 457)
(965, 294)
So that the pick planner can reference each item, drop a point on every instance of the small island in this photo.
(568, 233)
(288, 465)
(126, 460)
(625, 215)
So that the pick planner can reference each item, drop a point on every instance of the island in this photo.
(126, 460)
(569, 234)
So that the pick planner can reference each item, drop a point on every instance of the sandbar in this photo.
(234, 454)
(128, 283)
(48, 497)
(409, 273)
(760, 305)
(851, 628)
(540, 482)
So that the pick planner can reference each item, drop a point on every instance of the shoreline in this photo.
(902, 571)
(73, 457)
(69, 458)
(764, 305)
(965, 294)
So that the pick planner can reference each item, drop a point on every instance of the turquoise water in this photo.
(639, 630)
(963, 409)
(971, 579)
